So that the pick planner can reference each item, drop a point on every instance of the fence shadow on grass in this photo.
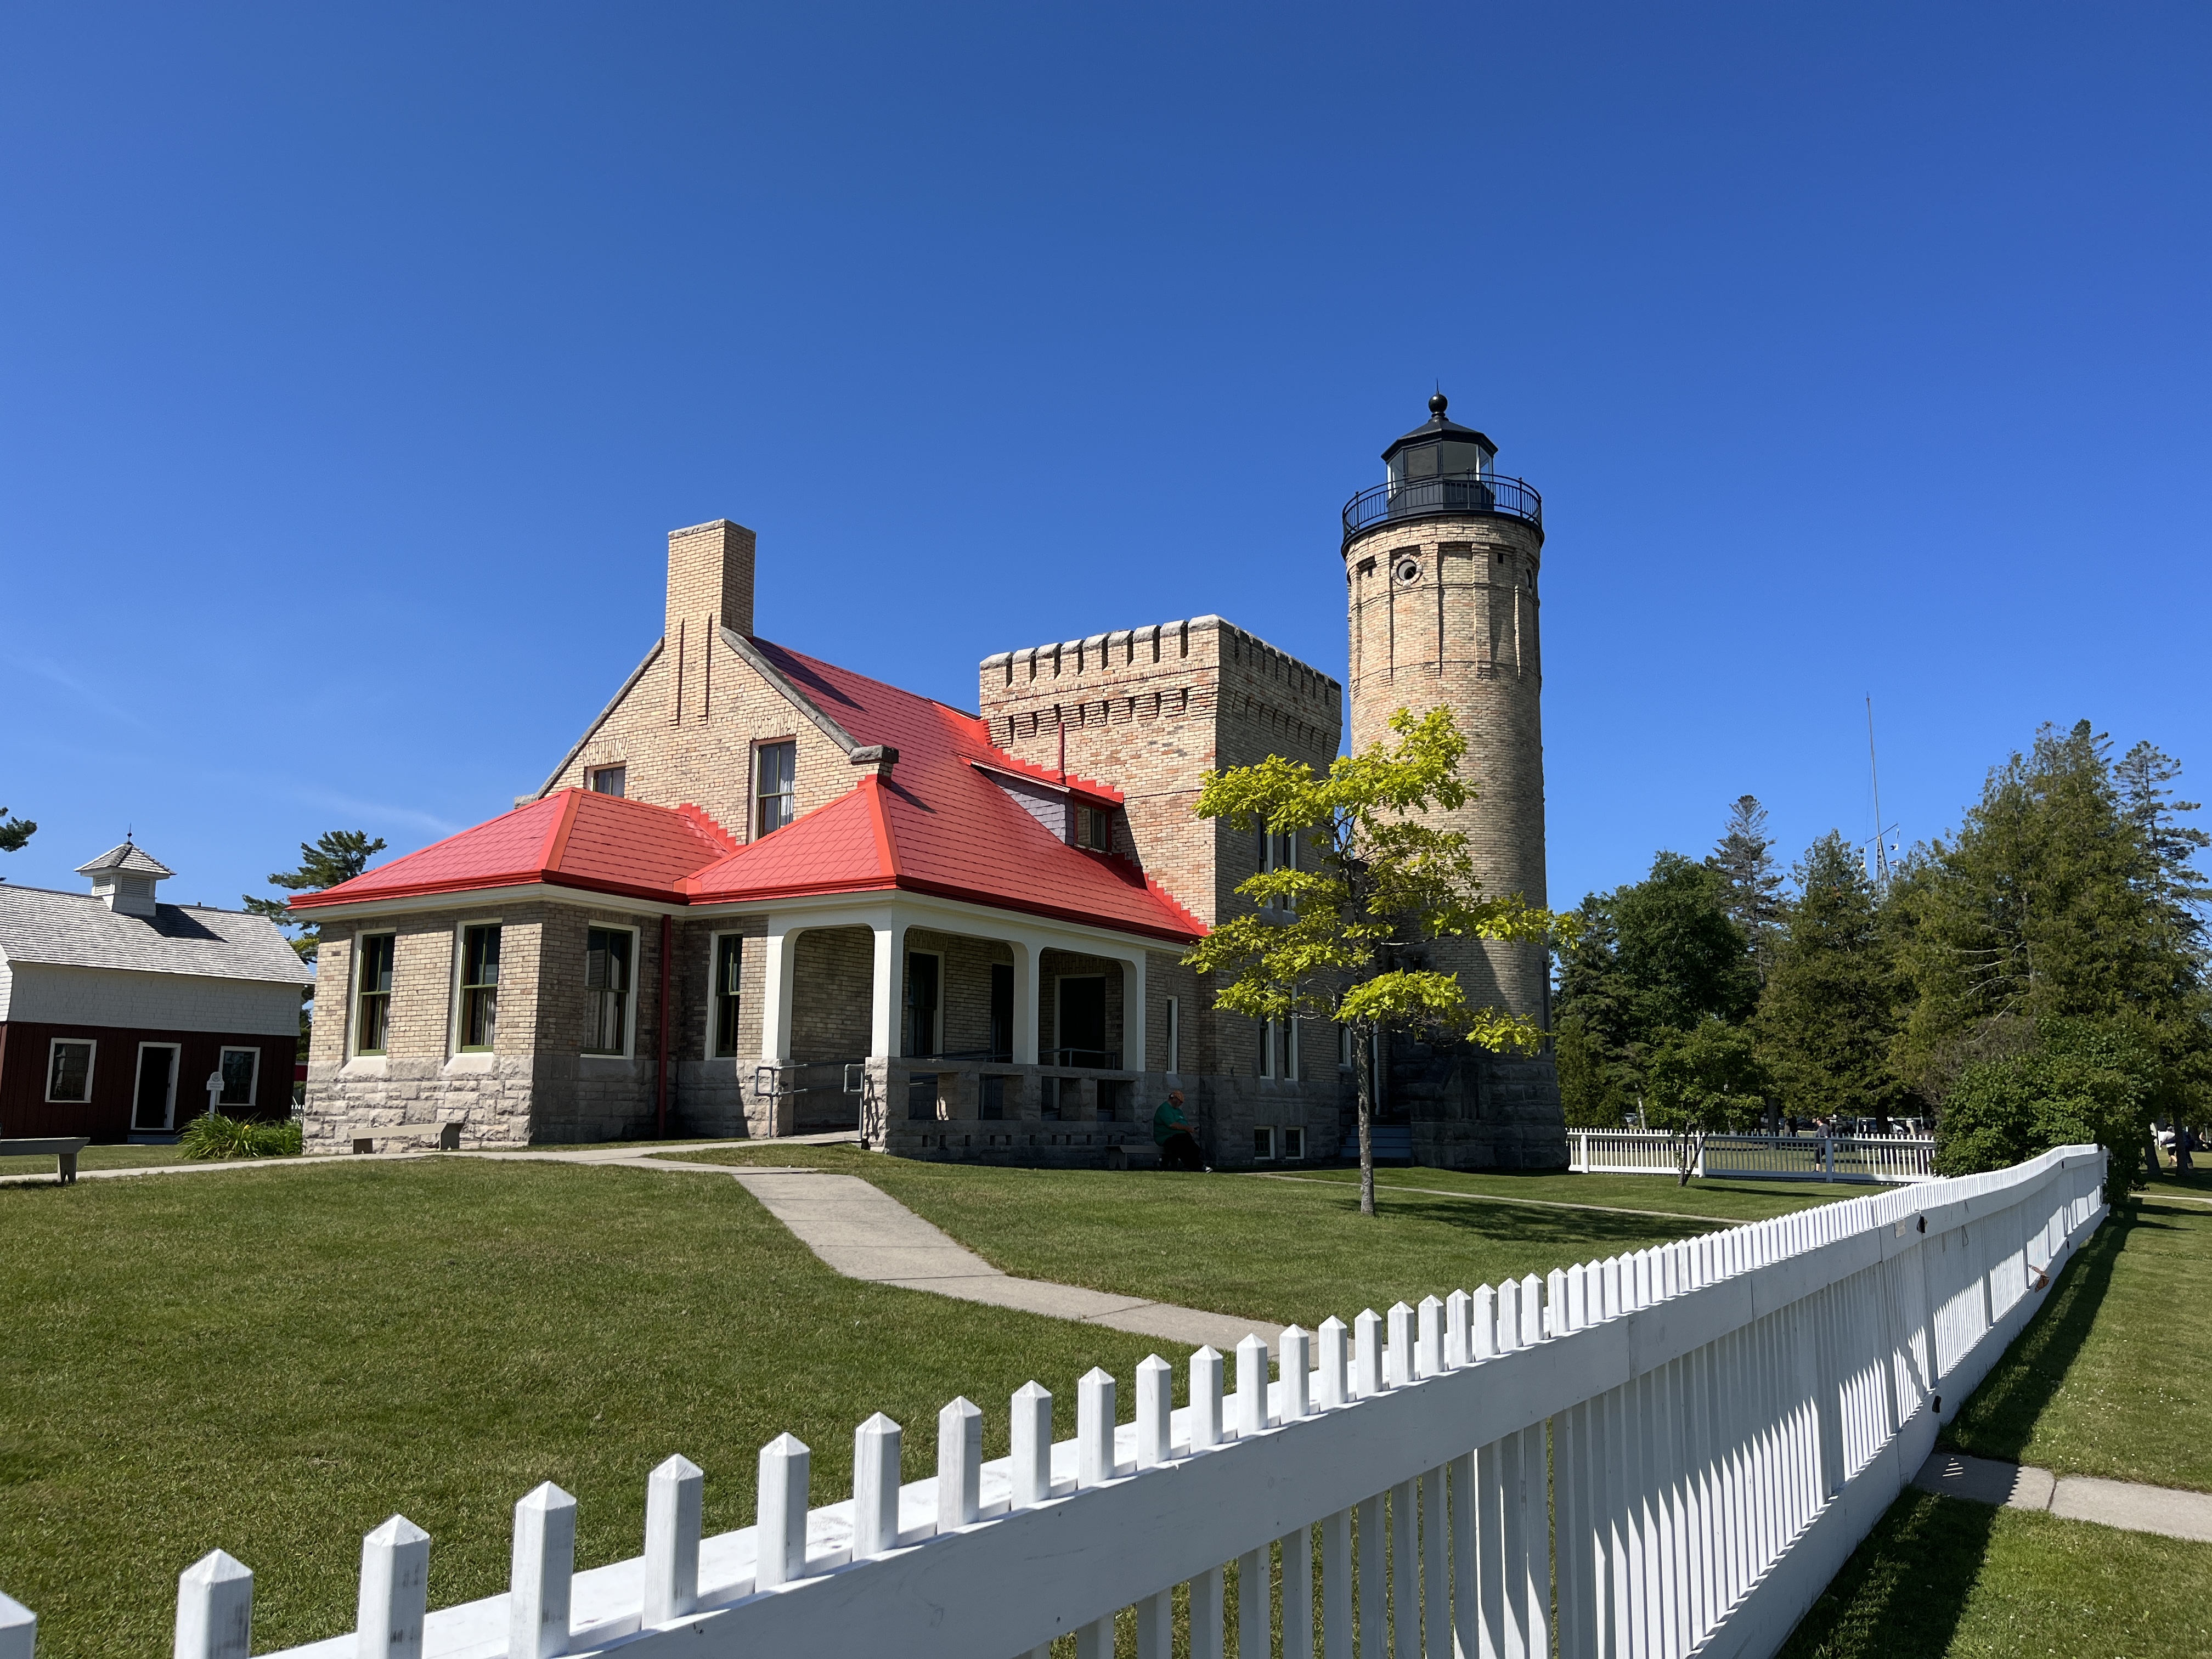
(1582, 1234)
(1997, 1419)
(1904, 1589)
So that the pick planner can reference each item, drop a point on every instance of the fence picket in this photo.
(1397, 1362)
(960, 1463)
(19, 1629)
(1032, 1444)
(675, 1499)
(786, 1467)
(1335, 1586)
(544, 1563)
(1205, 1398)
(1436, 1573)
(1295, 1366)
(1256, 1607)
(1374, 1595)
(1251, 1388)
(1335, 1362)
(1367, 1355)
(1459, 1330)
(1207, 1599)
(1156, 1626)
(876, 1444)
(1155, 1411)
(395, 1590)
(214, 1608)
(1094, 1429)
(1298, 1594)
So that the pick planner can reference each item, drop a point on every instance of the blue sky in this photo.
(357, 363)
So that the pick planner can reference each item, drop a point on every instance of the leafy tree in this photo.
(2047, 904)
(1750, 885)
(1591, 1090)
(1332, 940)
(337, 855)
(1650, 959)
(1833, 1000)
(2082, 1081)
(1708, 1081)
(14, 832)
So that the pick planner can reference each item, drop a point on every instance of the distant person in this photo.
(2185, 1142)
(1171, 1129)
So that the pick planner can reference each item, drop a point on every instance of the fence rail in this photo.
(1722, 1420)
(1888, 1159)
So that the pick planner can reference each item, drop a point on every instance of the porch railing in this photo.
(1722, 1420)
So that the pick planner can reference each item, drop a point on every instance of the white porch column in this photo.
(782, 945)
(1133, 1012)
(884, 1033)
(1026, 953)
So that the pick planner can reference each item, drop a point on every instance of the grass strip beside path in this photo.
(1231, 1243)
(97, 1157)
(274, 1366)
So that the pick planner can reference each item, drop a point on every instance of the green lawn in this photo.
(2114, 1378)
(2109, 1379)
(1713, 1201)
(273, 1361)
(1940, 1578)
(1291, 1251)
(96, 1158)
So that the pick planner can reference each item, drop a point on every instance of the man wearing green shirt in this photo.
(1171, 1129)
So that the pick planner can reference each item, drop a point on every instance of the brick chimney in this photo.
(710, 578)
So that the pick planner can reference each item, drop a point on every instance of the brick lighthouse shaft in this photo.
(1441, 565)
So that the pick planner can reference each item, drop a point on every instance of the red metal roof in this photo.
(935, 825)
(601, 843)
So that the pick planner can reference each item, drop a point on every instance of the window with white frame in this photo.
(1263, 1145)
(607, 779)
(729, 967)
(1174, 1034)
(1274, 852)
(240, 1069)
(69, 1069)
(1294, 1144)
(1278, 1048)
(479, 1011)
(775, 800)
(609, 960)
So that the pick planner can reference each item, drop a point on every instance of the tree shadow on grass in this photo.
(1904, 1589)
(1998, 1418)
(1585, 1235)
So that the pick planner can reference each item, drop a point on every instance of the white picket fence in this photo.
(1722, 1420)
(1886, 1160)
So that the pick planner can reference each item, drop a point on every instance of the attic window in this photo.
(774, 765)
(607, 779)
(1094, 829)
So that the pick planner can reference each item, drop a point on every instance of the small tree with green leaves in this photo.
(1708, 1081)
(1329, 939)
(338, 855)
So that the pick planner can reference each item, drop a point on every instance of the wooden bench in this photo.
(63, 1147)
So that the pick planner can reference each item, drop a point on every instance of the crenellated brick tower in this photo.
(1441, 563)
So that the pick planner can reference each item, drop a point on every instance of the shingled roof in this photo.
(936, 824)
(77, 930)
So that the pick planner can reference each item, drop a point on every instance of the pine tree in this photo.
(1752, 886)
(2168, 874)
(14, 832)
(337, 855)
(1833, 1000)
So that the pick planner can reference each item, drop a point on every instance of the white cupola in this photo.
(125, 877)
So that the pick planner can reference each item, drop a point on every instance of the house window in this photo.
(479, 987)
(607, 779)
(1263, 1145)
(1094, 828)
(729, 963)
(240, 1067)
(925, 1024)
(991, 1103)
(607, 965)
(1294, 1144)
(1174, 1034)
(372, 995)
(1278, 1048)
(1344, 1046)
(1274, 852)
(69, 1070)
(773, 769)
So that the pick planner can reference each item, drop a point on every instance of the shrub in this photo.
(2082, 1081)
(213, 1136)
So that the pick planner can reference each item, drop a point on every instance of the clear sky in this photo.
(356, 360)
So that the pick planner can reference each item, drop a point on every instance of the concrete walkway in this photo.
(2118, 1503)
(863, 1232)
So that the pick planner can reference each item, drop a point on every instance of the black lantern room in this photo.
(1440, 449)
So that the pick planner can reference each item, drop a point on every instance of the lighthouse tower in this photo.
(1441, 563)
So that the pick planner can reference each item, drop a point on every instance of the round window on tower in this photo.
(1409, 570)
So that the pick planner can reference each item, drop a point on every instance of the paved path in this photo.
(863, 1232)
(2120, 1503)
(856, 1229)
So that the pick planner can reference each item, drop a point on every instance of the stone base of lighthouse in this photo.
(1466, 1108)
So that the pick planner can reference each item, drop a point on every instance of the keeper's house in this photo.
(117, 1010)
(763, 893)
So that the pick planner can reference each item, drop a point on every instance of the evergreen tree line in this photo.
(2038, 978)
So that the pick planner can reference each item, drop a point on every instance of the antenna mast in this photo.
(1874, 773)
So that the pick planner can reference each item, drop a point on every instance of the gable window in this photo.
(479, 987)
(240, 1069)
(774, 764)
(69, 1070)
(1094, 828)
(607, 952)
(373, 992)
(729, 965)
(607, 779)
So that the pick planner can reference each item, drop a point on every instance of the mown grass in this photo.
(273, 1360)
(97, 1157)
(2114, 1375)
(1284, 1250)
(1719, 1200)
(1941, 1577)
